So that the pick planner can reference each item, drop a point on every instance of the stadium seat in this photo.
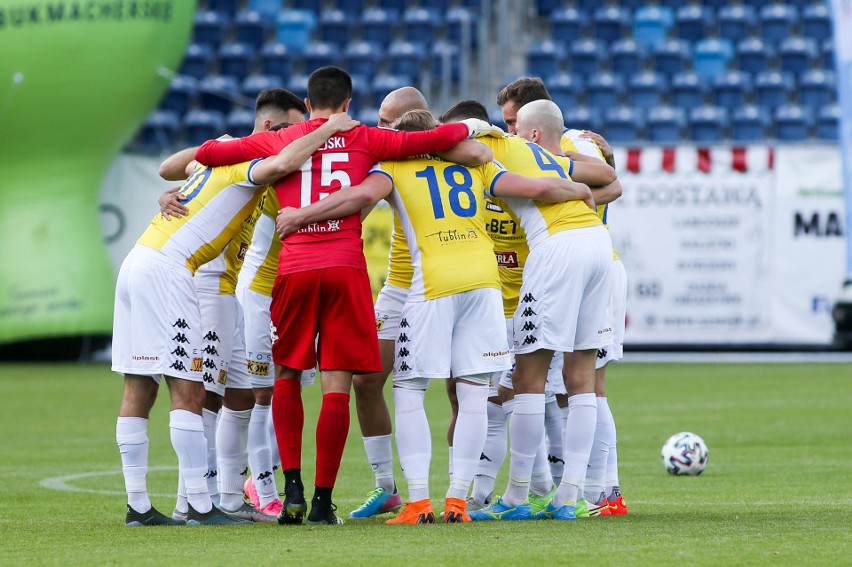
(294, 28)
(827, 54)
(585, 56)
(352, 8)
(773, 88)
(253, 84)
(438, 5)
(816, 21)
(209, 28)
(379, 24)
(180, 96)
(796, 54)
(827, 123)
(276, 60)
(239, 122)
(362, 94)
(665, 123)
(202, 125)
(298, 85)
(622, 125)
(218, 92)
(687, 89)
(736, 21)
(544, 58)
(693, 21)
(196, 60)
(383, 84)
(586, 5)
(609, 23)
(160, 130)
(754, 56)
(604, 90)
(581, 118)
(749, 124)
(496, 117)
(236, 59)
(628, 57)
(816, 88)
(567, 24)
(711, 57)
(564, 89)
(777, 22)
(792, 122)
(670, 57)
(546, 7)
(406, 58)
(304, 4)
(222, 6)
(320, 54)
(707, 124)
(363, 58)
(267, 8)
(368, 116)
(646, 90)
(457, 19)
(398, 5)
(443, 51)
(335, 27)
(420, 24)
(251, 27)
(731, 89)
(651, 25)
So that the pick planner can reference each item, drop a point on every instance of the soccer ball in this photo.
(685, 454)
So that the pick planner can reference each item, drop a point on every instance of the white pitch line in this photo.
(61, 482)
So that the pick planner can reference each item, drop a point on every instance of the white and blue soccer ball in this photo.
(685, 453)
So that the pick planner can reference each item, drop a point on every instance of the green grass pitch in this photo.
(777, 488)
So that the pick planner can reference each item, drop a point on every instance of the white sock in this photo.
(525, 432)
(232, 449)
(380, 456)
(131, 434)
(209, 419)
(450, 469)
(554, 429)
(182, 504)
(541, 482)
(273, 443)
(611, 477)
(187, 433)
(577, 445)
(494, 454)
(468, 437)
(596, 472)
(413, 440)
(260, 455)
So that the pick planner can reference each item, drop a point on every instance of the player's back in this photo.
(261, 259)
(510, 249)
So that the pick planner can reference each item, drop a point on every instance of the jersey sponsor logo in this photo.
(506, 227)
(507, 259)
(529, 340)
(601, 353)
(208, 363)
(454, 236)
(181, 338)
(197, 364)
(211, 350)
(258, 368)
(211, 336)
(528, 298)
(329, 226)
(493, 207)
(178, 365)
(207, 377)
(379, 324)
(528, 312)
(145, 358)
(495, 354)
(223, 376)
(181, 324)
(403, 352)
(528, 326)
(180, 351)
(403, 338)
(605, 331)
(241, 255)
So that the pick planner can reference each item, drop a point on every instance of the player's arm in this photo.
(596, 174)
(237, 150)
(547, 189)
(469, 153)
(339, 204)
(604, 194)
(603, 146)
(177, 166)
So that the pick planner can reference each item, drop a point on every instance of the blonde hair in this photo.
(415, 121)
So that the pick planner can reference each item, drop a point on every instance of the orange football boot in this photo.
(419, 512)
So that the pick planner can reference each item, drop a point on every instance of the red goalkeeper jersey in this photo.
(343, 161)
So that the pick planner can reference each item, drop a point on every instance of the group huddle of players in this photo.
(253, 276)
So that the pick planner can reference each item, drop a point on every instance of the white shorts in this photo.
(555, 384)
(565, 293)
(224, 343)
(618, 311)
(504, 377)
(448, 336)
(258, 356)
(389, 305)
(157, 323)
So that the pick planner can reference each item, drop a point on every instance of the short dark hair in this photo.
(328, 88)
(282, 99)
(523, 91)
(280, 126)
(465, 109)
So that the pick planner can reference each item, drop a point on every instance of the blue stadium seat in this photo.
(457, 19)
(754, 56)
(253, 84)
(437, 5)
(379, 24)
(544, 58)
(304, 4)
(687, 89)
(585, 56)
(420, 24)
(633, 4)
(711, 57)
(335, 26)
(222, 6)
(239, 123)
(495, 115)
(202, 125)
(773, 88)
(217, 92)
(209, 28)
(383, 84)
(546, 7)
(581, 118)
(586, 5)
(646, 89)
(236, 59)
(665, 123)
(567, 24)
(828, 121)
(817, 88)
(651, 25)
(731, 89)
(298, 85)
(777, 22)
(749, 124)
(353, 8)
(363, 58)
(406, 58)
(693, 21)
(276, 59)
(816, 21)
(792, 122)
(622, 125)
(827, 54)
(670, 57)
(445, 51)
(196, 60)
(604, 90)
(294, 28)
(796, 54)
(707, 124)
(362, 94)
(564, 89)
(267, 8)
(609, 23)
(251, 27)
(180, 96)
(628, 57)
(320, 54)
(398, 5)
(736, 21)
(159, 130)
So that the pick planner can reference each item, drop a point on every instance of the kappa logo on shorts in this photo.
(207, 377)
(484, 457)
(404, 324)
(181, 338)
(403, 352)
(528, 298)
(601, 353)
(223, 376)
(529, 340)
(528, 326)
(404, 367)
(179, 351)
(211, 336)
(554, 459)
(178, 365)
(181, 324)
(196, 364)
(528, 312)
(211, 350)
(258, 368)
(605, 331)
(208, 363)
(403, 338)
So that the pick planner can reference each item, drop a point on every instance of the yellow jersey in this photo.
(440, 206)
(540, 219)
(400, 271)
(261, 259)
(510, 249)
(220, 274)
(219, 199)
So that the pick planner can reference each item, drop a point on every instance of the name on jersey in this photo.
(454, 235)
(333, 143)
(507, 258)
